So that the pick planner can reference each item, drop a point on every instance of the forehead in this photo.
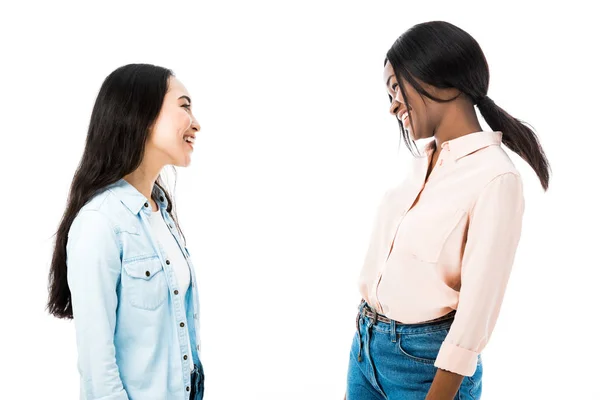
(387, 72)
(176, 88)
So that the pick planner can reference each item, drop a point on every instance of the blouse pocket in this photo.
(426, 240)
(144, 283)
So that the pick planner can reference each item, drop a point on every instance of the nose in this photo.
(195, 126)
(394, 107)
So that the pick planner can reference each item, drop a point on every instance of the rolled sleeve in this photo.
(93, 272)
(492, 240)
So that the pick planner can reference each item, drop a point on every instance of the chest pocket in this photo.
(427, 233)
(144, 283)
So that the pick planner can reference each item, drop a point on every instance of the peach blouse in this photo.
(448, 244)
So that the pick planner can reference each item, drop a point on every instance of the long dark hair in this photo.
(127, 106)
(444, 56)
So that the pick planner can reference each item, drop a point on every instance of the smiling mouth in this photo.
(403, 117)
(189, 139)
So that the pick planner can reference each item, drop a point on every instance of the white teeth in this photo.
(189, 139)
(404, 120)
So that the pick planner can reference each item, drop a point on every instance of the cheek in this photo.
(421, 114)
(170, 128)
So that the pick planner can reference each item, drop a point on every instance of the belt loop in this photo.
(358, 319)
(375, 317)
(393, 330)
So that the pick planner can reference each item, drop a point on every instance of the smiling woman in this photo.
(120, 264)
(444, 241)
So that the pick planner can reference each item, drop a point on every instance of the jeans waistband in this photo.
(368, 315)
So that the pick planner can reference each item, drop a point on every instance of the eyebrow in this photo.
(187, 98)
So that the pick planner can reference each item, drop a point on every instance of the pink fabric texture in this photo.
(448, 244)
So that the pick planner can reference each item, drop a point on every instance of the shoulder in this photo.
(103, 210)
(487, 167)
(97, 218)
(92, 223)
(491, 162)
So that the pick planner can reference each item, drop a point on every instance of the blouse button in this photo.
(147, 273)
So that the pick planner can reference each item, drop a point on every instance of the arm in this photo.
(494, 233)
(93, 270)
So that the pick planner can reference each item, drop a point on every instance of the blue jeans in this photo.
(197, 389)
(397, 361)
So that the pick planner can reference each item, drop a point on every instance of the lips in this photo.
(403, 117)
(189, 139)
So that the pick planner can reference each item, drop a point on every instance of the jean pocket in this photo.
(422, 347)
(144, 283)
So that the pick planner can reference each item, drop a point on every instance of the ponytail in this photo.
(441, 55)
(517, 137)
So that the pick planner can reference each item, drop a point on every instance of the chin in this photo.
(183, 162)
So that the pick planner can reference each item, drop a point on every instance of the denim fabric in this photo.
(397, 361)
(132, 324)
(197, 379)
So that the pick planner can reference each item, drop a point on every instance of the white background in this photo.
(296, 149)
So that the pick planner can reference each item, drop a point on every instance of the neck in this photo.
(143, 179)
(459, 120)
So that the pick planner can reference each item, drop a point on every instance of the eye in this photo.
(395, 86)
(187, 106)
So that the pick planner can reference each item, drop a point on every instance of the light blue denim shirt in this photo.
(132, 328)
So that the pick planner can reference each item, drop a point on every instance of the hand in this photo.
(445, 385)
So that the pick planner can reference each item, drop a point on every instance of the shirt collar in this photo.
(468, 144)
(133, 199)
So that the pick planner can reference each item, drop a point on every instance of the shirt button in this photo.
(195, 316)
(176, 291)
(162, 198)
(168, 262)
(185, 357)
(182, 324)
(147, 273)
(146, 205)
(187, 388)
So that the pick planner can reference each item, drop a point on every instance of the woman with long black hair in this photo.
(120, 268)
(444, 240)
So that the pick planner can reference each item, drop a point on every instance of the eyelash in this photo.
(186, 106)
(394, 86)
